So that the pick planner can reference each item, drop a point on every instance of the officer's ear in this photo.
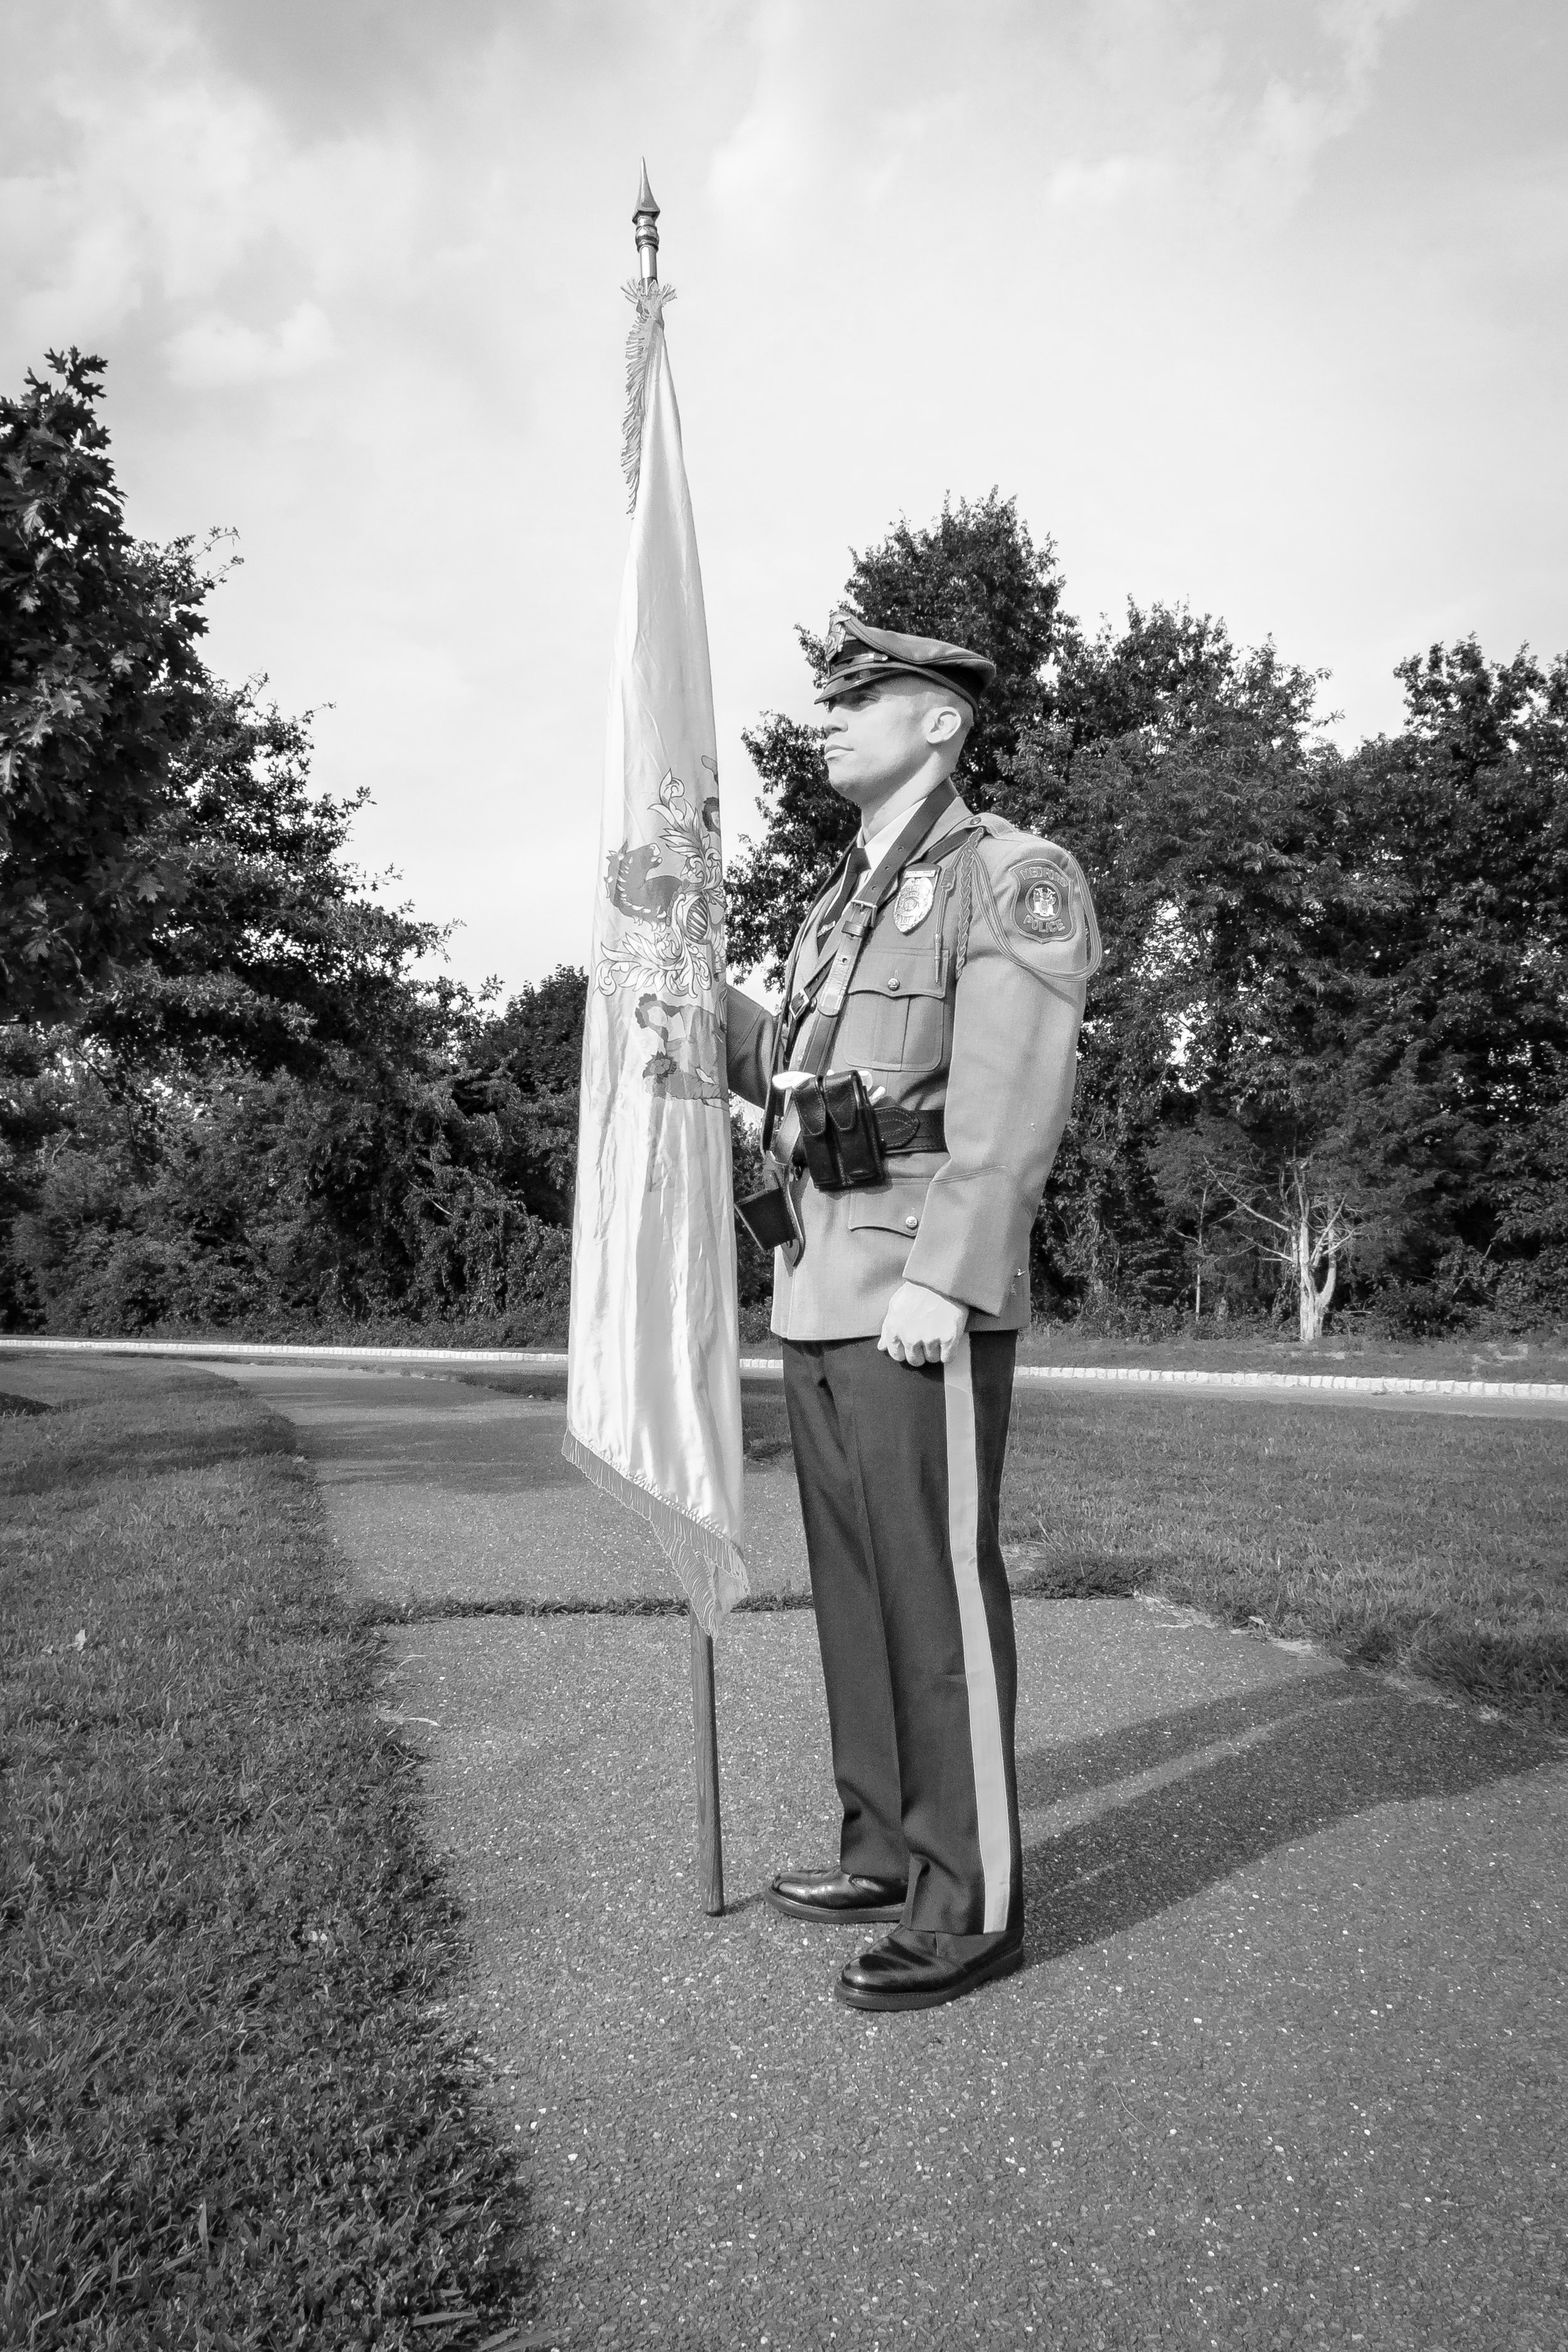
(946, 723)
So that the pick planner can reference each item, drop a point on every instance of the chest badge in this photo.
(916, 892)
(1042, 906)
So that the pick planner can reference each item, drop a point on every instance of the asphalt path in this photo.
(444, 1492)
(1285, 2065)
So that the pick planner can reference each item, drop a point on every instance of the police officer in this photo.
(945, 963)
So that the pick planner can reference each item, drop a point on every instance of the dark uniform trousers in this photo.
(901, 1475)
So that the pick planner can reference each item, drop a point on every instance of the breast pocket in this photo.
(895, 1016)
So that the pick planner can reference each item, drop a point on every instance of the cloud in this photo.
(216, 351)
(1360, 26)
(1298, 117)
(1217, 288)
(767, 154)
(1092, 187)
(764, 157)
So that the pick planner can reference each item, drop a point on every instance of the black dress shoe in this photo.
(904, 1974)
(835, 1896)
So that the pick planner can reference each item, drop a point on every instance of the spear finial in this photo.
(645, 222)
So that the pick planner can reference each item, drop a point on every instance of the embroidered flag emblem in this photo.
(1042, 902)
(916, 892)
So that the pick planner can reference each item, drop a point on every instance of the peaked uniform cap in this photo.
(858, 655)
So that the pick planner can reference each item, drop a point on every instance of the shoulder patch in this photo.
(1042, 899)
(1038, 910)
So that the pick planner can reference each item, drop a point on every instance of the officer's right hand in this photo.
(921, 1327)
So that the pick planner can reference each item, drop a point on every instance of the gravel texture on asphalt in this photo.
(1285, 2065)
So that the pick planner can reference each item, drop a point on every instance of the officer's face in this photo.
(882, 736)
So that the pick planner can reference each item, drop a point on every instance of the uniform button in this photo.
(893, 980)
(911, 1220)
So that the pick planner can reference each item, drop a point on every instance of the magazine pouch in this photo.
(816, 1136)
(840, 1140)
(852, 1124)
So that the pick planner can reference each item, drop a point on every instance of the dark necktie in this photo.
(849, 882)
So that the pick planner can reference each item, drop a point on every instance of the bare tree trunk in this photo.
(1326, 1291)
(1313, 1300)
(1306, 1290)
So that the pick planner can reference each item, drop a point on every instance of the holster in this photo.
(839, 1138)
(772, 1219)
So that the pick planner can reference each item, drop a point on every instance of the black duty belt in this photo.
(899, 1132)
(846, 1141)
(909, 1130)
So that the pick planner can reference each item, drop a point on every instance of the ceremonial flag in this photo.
(654, 1383)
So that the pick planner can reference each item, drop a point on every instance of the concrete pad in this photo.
(1285, 2065)
(440, 1491)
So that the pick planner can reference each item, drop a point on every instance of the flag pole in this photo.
(704, 1714)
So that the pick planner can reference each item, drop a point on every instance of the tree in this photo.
(1334, 986)
(1457, 839)
(99, 681)
(975, 578)
(1195, 1200)
(521, 1071)
(1310, 1231)
(242, 1103)
(1183, 772)
(270, 948)
(771, 883)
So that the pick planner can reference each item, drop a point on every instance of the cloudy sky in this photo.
(1260, 304)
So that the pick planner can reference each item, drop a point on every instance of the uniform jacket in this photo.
(974, 1011)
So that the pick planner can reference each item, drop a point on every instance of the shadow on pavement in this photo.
(1317, 1752)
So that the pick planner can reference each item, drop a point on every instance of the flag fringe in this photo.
(711, 1570)
(649, 300)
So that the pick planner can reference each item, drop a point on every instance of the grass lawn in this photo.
(1429, 1542)
(233, 2115)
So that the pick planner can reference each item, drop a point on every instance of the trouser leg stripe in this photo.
(979, 1666)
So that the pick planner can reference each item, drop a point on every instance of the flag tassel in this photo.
(649, 300)
(710, 1568)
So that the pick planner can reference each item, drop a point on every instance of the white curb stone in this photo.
(770, 1367)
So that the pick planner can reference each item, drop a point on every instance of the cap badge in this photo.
(835, 639)
(913, 903)
(1042, 903)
